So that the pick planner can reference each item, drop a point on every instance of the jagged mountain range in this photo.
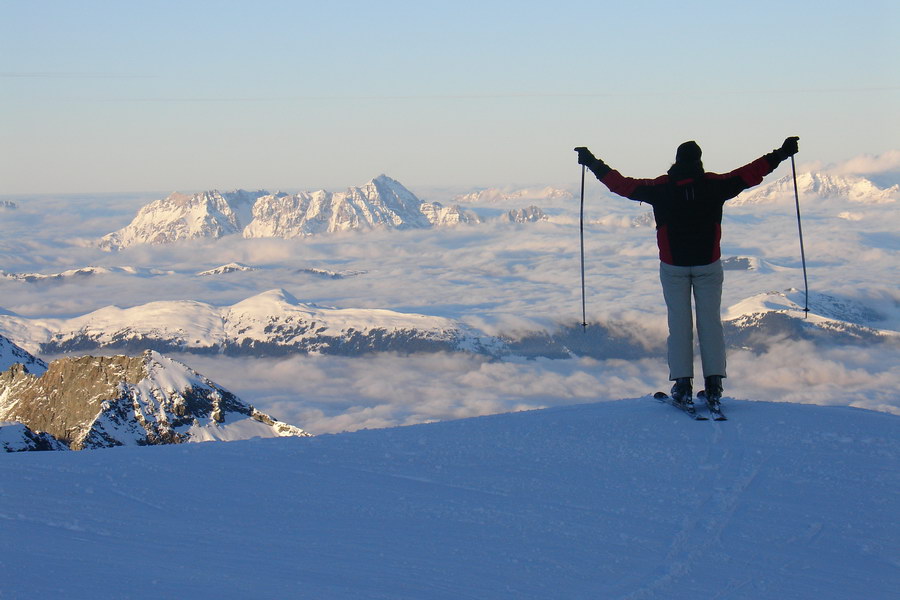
(97, 402)
(275, 323)
(821, 185)
(382, 203)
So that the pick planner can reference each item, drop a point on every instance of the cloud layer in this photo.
(499, 278)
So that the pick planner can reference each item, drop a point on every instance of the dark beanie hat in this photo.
(688, 152)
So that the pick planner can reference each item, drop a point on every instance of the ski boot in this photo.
(713, 392)
(682, 393)
(713, 396)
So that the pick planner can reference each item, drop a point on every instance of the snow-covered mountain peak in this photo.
(266, 303)
(821, 185)
(781, 315)
(232, 267)
(208, 214)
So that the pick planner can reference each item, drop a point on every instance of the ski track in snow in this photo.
(622, 500)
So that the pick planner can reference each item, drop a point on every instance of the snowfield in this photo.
(621, 499)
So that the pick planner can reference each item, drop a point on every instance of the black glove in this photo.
(586, 158)
(789, 147)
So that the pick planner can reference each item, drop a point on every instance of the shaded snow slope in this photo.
(18, 437)
(624, 499)
(11, 354)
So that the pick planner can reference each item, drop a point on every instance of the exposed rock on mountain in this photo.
(439, 215)
(531, 214)
(97, 402)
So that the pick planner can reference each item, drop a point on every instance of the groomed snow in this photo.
(622, 499)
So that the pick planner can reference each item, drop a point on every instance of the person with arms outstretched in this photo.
(687, 205)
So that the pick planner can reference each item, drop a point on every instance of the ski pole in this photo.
(581, 227)
(800, 229)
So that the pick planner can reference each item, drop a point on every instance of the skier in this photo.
(687, 205)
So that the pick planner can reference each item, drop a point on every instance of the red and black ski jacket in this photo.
(688, 210)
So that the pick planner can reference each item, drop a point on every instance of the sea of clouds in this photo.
(499, 278)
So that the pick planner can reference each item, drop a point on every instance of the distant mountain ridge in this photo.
(274, 323)
(854, 188)
(382, 203)
(270, 323)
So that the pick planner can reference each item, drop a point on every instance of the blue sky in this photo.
(118, 96)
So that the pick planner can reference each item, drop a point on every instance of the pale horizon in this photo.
(104, 98)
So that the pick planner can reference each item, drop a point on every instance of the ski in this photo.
(715, 411)
(690, 411)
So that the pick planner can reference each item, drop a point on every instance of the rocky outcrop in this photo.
(99, 401)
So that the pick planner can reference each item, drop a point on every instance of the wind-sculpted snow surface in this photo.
(622, 499)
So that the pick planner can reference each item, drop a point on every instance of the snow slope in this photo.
(623, 499)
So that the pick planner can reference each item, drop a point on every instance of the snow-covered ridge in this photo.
(273, 322)
(81, 272)
(96, 402)
(330, 274)
(766, 318)
(853, 188)
(503, 196)
(232, 267)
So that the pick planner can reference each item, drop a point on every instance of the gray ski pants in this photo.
(706, 283)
